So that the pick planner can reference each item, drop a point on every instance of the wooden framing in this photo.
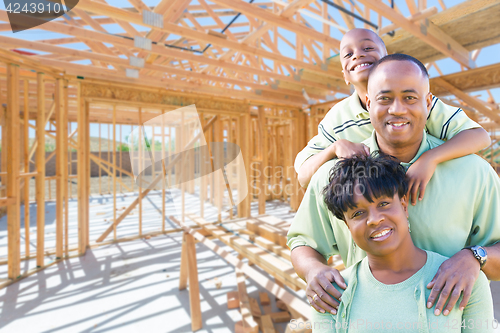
(246, 90)
(13, 165)
(40, 166)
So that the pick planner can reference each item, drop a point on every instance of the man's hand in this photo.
(419, 174)
(319, 288)
(345, 149)
(456, 275)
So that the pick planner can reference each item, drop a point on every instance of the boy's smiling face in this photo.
(359, 49)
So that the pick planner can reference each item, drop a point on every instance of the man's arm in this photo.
(313, 269)
(458, 274)
(492, 266)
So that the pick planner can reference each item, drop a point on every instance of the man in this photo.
(461, 207)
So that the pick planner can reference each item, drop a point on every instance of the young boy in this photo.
(348, 122)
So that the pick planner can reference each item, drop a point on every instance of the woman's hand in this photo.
(319, 288)
(345, 149)
(419, 174)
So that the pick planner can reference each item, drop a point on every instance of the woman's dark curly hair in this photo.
(374, 176)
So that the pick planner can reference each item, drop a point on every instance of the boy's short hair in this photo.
(398, 57)
(373, 176)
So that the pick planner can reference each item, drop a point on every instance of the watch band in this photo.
(479, 253)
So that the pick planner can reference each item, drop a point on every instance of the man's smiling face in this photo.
(398, 100)
(359, 49)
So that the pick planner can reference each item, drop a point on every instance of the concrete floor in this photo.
(130, 286)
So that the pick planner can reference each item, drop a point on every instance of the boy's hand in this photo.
(419, 174)
(345, 149)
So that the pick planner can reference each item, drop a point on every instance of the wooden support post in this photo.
(100, 188)
(183, 272)
(204, 176)
(141, 153)
(121, 161)
(153, 153)
(249, 324)
(244, 127)
(26, 161)
(219, 180)
(40, 167)
(59, 168)
(182, 171)
(190, 163)
(13, 158)
(229, 169)
(131, 154)
(114, 170)
(83, 173)
(164, 183)
(262, 140)
(109, 159)
(3, 162)
(65, 168)
(87, 173)
(194, 288)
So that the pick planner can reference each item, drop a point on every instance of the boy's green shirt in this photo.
(350, 121)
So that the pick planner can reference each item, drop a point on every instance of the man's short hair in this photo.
(373, 176)
(398, 57)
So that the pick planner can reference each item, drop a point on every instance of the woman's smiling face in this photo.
(378, 227)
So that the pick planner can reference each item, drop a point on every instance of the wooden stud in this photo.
(108, 157)
(218, 179)
(26, 160)
(13, 158)
(121, 160)
(141, 153)
(65, 169)
(40, 167)
(203, 173)
(194, 288)
(60, 153)
(262, 142)
(183, 271)
(164, 183)
(249, 324)
(114, 169)
(83, 172)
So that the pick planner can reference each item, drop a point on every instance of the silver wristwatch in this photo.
(479, 253)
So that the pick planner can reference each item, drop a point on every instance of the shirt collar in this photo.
(424, 146)
(356, 105)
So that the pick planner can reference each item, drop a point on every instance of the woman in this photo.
(387, 290)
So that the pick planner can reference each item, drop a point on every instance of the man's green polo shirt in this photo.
(461, 207)
(350, 121)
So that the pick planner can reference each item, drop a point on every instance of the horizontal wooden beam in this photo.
(280, 20)
(121, 14)
(176, 54)
(469, 100)
(32, 45)
(427, 32)
(108, 74)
